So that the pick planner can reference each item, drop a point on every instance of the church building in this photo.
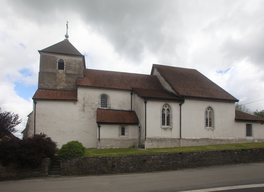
(170, 107)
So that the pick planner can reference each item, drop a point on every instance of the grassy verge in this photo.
(134, 151)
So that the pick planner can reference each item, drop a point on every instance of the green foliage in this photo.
(135, 151)
(259, 113)
(242, 108)
(71, 149)
(8, 121)
(29, 152)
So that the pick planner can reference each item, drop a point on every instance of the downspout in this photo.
(145, 101)
(35, 108)
(99, 126)
(181, 121)
(131, 93)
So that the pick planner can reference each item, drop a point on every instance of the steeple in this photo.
(67, 35)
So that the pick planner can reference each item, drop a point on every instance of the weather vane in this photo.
(67, 36)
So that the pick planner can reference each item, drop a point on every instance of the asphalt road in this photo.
(180, 180)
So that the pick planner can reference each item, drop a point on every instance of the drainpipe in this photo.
(181, 121)
(145, 118)
(35, 110)
(99, 132)
(131, 93)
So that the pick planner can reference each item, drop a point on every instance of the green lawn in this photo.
(134, 151)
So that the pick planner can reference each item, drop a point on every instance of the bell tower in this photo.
(60, 66)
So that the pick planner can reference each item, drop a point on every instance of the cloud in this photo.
(222, 39)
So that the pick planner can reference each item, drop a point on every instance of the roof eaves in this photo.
(212, 98)
(250, 120)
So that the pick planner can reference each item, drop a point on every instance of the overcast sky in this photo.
(224, 40)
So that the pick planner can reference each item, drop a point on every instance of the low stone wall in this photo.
(173, 142)
(117, 143)
(158, 162)
(13, 171)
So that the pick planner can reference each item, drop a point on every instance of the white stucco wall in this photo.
(154, 118)
(63, 122)
(112, 131)
(139, 108)
(225, 127)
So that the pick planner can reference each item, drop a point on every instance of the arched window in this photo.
(61, 64)
(104, 102)
(209, 118)
(166, 115)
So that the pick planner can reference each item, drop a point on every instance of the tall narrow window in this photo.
(104, 101)
(249, 130)
(209, 118)
(123, 131)
(166, 116)
(61, 64)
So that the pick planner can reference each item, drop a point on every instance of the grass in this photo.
(135, 151)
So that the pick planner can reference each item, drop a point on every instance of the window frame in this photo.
(126, 131)
(107, 101)
(58, 65)
(249, 127)
(166, 112)
(209, 119)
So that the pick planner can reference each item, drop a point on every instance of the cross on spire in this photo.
(67, 35)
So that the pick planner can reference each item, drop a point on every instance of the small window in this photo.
(61, 64)
(249, 130)
(209, 118)
(104, 101)
(123, 131)
(166, 116)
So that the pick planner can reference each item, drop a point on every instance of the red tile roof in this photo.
(242, 116)
(191, 83)
(116, 117)
(63, 47)
(55, 95)
(118, 80)
(155, 94)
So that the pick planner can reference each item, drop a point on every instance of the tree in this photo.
(8, 121)
(259, 113)
(242, 108)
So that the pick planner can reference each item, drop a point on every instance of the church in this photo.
(170, 107)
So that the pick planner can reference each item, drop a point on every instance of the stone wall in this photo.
(172, 142)
(13, 171)
(158, 162)
(117, 143)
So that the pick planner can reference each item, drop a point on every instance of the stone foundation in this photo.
(117, 143)
(158, 162)
(175, 142)
(13, 171)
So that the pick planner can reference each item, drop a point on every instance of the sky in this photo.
(222, 39)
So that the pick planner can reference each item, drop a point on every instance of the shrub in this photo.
(9, 151)
(34, 149)
(29, 152)
(71, 149)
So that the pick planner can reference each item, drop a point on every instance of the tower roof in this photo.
(63, 47)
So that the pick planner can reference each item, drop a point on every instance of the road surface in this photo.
(179, 180)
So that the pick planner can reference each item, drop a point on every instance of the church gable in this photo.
(191, 83)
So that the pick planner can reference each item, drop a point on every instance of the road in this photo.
(179, 180)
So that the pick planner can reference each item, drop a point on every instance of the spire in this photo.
(67, 36)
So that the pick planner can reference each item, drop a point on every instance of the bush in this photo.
(34, 149)
(71, 149)
(9, 151)
(29, 152)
